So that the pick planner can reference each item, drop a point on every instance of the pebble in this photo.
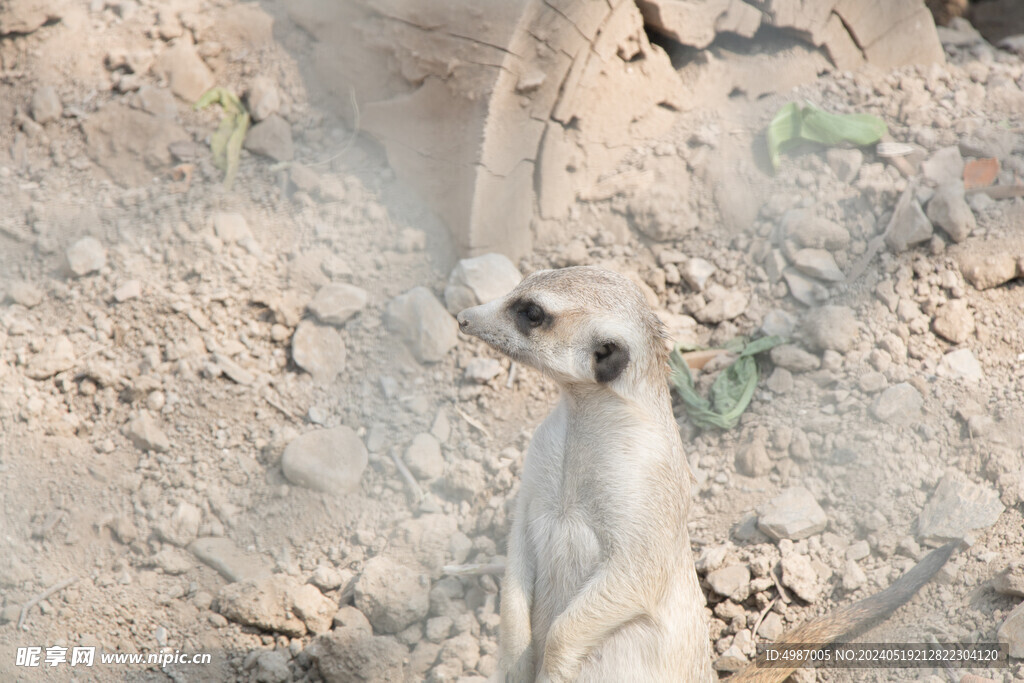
(724, 304)
(858, 550)
(853, 576)
(780, 381)
(899, 404)
(393, 596)
(960, 364)
(1012, 632)
(233, 563)
(86, 256)
(271, 137)
(845, 163)
(130, 289)
(328, 460)
(778, 323)
(56, 356)
(314, 608)
(423, 324)
(480, 280)
(799, 576)
(351, 654)
(185, 72)
(423, 457)
(771, 627)
(732, 581)
(272, 667)
(807, 291)
(696, 272)
(173, 561)
(1010, 581)
(793, 514)
(304, 178)
(954, 321)
(263, 98)
(988, 265)
(264, 603)
(731, 660)
(465, 479)
(328, 578)
(46, 105)
(818, 263)
(231, 227)
(909, 224)
(948, 209)
(957, 507)
(831, 328)
(945, 166)
(794, 359)
(319, 350)
(182, 526)
(143, 431)
(872, 382)
(24, 293)
(752, 459)
(334, 304)
(482, 370)
(807, 230)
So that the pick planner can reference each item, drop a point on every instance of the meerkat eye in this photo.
(532, 314)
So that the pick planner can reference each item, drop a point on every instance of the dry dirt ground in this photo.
(152, 377)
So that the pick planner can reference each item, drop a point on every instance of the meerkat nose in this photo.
(463, 320)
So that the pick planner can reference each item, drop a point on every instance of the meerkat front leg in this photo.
(517, 657)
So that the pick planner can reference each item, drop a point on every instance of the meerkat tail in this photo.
(850, 621)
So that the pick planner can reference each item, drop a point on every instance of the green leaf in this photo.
(226, 142)
(785, 126)
(793, 124)
(731, 391)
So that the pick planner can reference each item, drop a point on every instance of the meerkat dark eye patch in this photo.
(610, 359)
(529, 316)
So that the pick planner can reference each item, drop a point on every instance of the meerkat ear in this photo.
(610, 359)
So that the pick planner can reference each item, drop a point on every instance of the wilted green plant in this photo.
(793, 124)
(226, 143)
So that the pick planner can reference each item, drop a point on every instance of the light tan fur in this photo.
(600, 583)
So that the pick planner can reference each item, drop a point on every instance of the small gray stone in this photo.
(899, 404)
(465, 479)
(185, 72)
(264, 603)
(799, 576)
(423, 457)
(909, 224)
(24, 293)
(853, 576)
(1012, 632)
(845, 163)
(948, 209)
(157, 101)
(858, 550)
(131, 289)
(334, 304)
(145, 433)
(872, 382)
(350, 655)
(731, 660)
(46, 105)
(780, 381)
(807, 230)
(794, 359)
(182, 526)
(1010, 581)
(231, 227)
(272, 667)
(263, 98)
(818, 263)
(696, 272)
(271, 137)
(954, 321)
(319, 350)
(329, 460)
(778, 323)
(771, 627)
(56, 356)
(752, 459)
(423, 323)
(314, 608)
(724, 304)
(988, 265)
(439, 628)
(831, 328)
(304, 178)
(480, 280)
(393, 596)
(732, 581)
(793, 514)
(807, 291)
(86, 256)
(482, 370)
(233, 563)
(944, 166)
(957, 507)
(173, 561)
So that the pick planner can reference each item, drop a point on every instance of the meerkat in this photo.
(600, 583)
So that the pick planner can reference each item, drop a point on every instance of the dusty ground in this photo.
(147, 403)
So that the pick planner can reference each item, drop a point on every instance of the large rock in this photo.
(328, 460)
(319, 350)
(423, 324)
(793, 514)
(265, 603)
(130, 144)
(393, 596)
(990, 264)
(957, 507)
(352, 655)
(480, 280)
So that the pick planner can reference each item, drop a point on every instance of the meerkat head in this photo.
(578, 325)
